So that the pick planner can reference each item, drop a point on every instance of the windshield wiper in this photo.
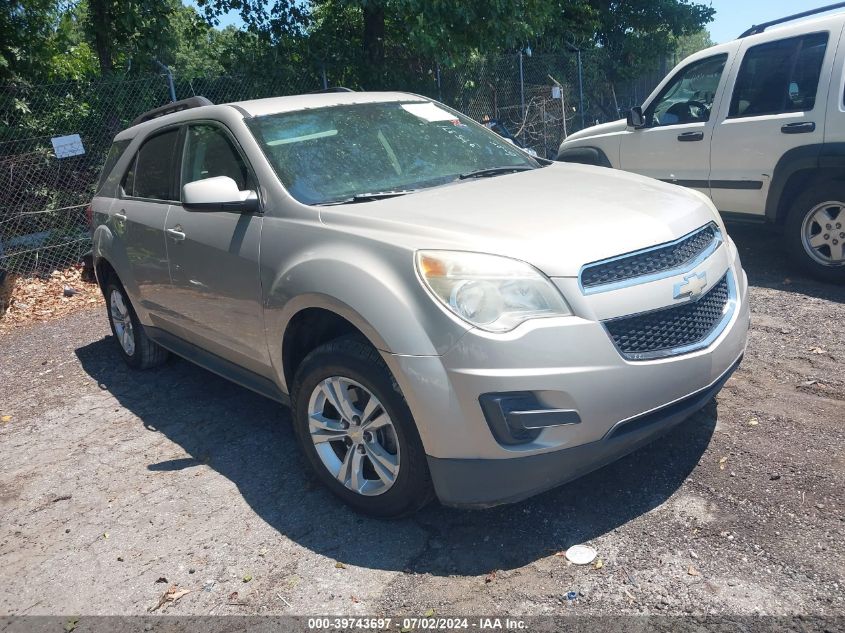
(494, 171)
(368, 196)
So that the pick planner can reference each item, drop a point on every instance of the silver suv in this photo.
(444, 314)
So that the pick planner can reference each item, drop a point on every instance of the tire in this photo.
(817, 217)
(135, 346)
(357, 469)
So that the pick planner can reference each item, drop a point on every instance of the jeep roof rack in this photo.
(170, 108)
(332, 89)
(759, 28)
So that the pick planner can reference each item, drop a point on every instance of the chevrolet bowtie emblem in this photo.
(692, 286)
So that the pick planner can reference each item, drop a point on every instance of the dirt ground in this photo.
(115, 485)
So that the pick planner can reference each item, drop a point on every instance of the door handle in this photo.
(176, 233)
(120, 215)
(804, 127)
(691, 136)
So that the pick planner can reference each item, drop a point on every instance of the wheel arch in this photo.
(798, 169)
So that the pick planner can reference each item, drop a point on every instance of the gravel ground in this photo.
(115, 485)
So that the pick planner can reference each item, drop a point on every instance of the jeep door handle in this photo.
(176, 233)
(120, 215)
(804, 127)
(691, 136)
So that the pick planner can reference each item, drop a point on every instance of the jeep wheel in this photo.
(815, 232)
(356, 430)
(137, 349)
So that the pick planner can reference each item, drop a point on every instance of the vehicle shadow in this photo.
(768, 266)
(248, 439)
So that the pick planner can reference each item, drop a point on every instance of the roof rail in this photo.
(759, 28)
(332, 89)
(170, 108)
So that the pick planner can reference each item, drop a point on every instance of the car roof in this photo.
(270, 105)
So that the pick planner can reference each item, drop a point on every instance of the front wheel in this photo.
(815, 232)
(357, 431)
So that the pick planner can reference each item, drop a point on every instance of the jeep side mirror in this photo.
(636, 119)
(220, 193)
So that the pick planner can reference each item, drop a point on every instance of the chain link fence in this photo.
(47, 173)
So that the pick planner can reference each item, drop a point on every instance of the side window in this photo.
(688, 97)
(115, 152)
(152, 170)
(778, 77)
(208, 153)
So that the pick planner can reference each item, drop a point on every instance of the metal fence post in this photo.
(521, 87)
(580, 90)
(439, 87)
(325, 80)
(171, 86)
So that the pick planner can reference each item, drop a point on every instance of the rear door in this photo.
(777, 103)
(139, 214)
(675, 144)
(215, 291)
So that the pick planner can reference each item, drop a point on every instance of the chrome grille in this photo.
(674, 330)
(659, 259)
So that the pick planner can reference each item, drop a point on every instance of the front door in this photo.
(215, 292)
(777, 104)
(675, 144)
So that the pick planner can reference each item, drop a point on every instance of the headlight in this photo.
(490, 292)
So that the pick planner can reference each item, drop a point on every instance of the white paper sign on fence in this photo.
(66, 146)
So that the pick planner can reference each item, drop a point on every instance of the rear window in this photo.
(154, 167)
(115, 152)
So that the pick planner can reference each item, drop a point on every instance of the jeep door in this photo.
(215, 292)
(674, 145)
(777, 103)
(137, 219)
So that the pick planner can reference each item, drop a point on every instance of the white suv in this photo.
(757, 124)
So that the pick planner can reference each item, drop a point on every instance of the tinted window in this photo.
(688, 97)
(116, 150)
(154, 167)
(780, 76)
(208, 153)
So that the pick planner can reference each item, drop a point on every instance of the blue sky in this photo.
(732, 16)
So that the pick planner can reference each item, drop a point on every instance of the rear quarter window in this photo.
(115, 152)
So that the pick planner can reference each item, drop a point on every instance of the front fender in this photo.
(374, 288)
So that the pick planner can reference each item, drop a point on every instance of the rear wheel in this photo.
(357, 431)
(137, 349)
(815, 232)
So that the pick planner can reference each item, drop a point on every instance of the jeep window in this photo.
(688, 97)
(115, 152)
(209, 152)
(778, 77)
(152, 171)
(330, 154)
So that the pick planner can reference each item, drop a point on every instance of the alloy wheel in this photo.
(122, 321)
(353, 436)
(823, 233)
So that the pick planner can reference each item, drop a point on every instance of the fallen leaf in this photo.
(161, 579)
(354, 599)
(247, 578)
(722, 463)
(753, 422)
(490, 577)
(817, 350)
(170, 596)
(233, 597)
(429, 613)
(105, 535)
(340, 565)
(70, 625)
(692, 571)
(6, 418)
(599, 564)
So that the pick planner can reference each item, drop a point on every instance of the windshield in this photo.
(333, 154)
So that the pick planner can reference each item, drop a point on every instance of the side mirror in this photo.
(636, 119)
(220, 193)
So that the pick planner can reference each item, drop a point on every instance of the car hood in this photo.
(598, 130)
(557, 218)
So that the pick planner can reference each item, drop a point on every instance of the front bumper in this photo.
(567, 364)
(481, 483)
